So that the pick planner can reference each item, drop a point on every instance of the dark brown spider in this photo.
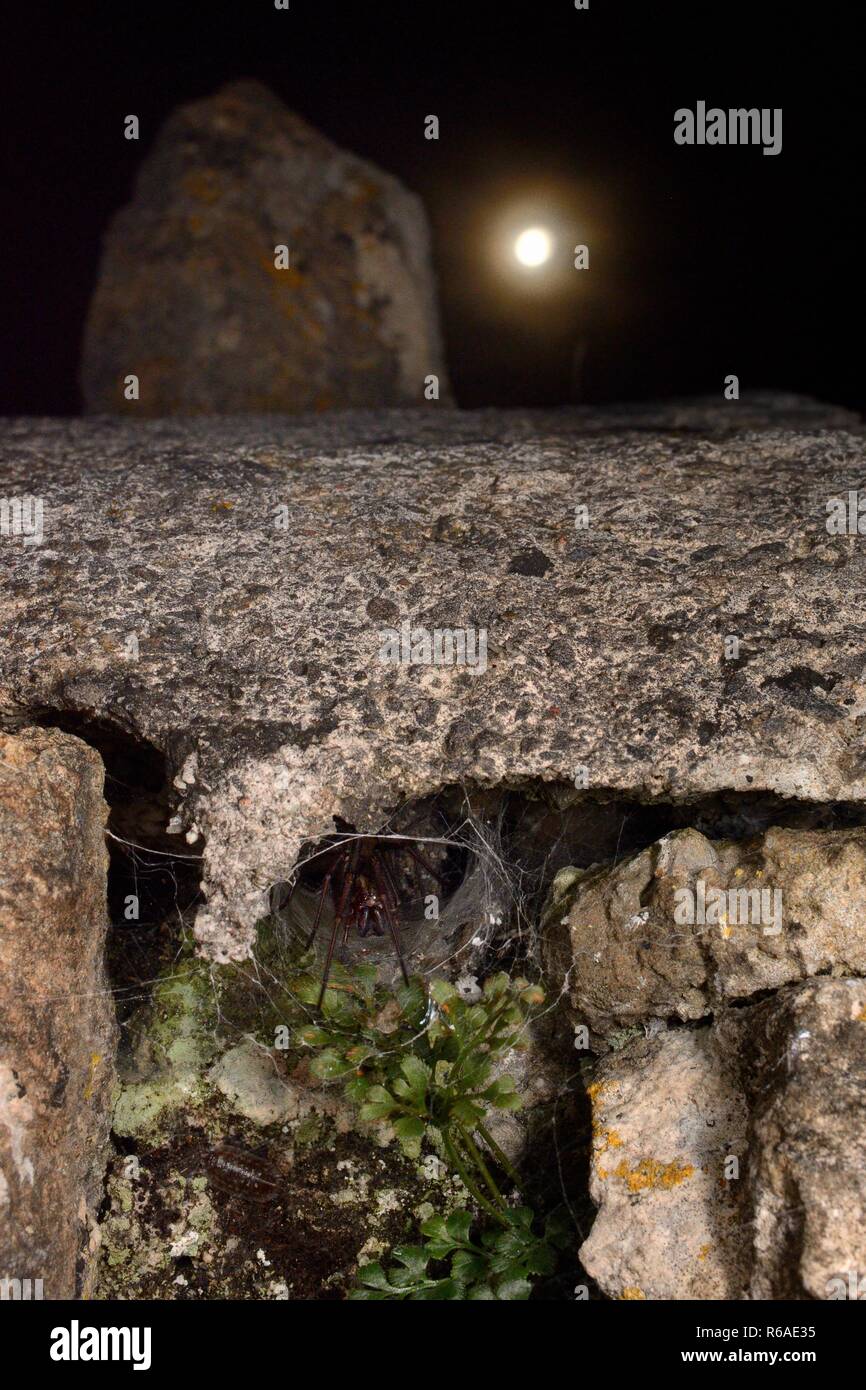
(360, 875)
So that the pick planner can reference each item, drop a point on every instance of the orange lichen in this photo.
(704, 1251)
(603, 1138)
(95, 1059)
(651, 1175)
(633, 1294)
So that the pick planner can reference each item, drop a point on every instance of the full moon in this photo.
(533, 247)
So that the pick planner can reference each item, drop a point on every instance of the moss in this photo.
(245, 1007)
(310, 1131)
(172, 1043)
(200, 1074)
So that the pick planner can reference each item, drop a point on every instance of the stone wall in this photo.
(221, 592)
(57, 1027)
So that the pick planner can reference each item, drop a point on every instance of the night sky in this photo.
(703, 261)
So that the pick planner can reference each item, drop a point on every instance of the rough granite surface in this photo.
(57, 1026)
(219, 587)
(802, 1059)
(668, 1115)
(728, 1161)
(790, 904)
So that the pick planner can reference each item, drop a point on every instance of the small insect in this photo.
(361, 876)
(242, 1173)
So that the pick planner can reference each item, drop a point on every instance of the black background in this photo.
(703, 261)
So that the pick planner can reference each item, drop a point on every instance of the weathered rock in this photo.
(667, 1115)
(778, 1087)
(190, 299)
(543, 1074)
(756, 410)
(57, 1030)
(257, 1086)
(776, 908)
(257, 647)
(802, 1062)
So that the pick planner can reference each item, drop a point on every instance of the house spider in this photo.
(361, 875)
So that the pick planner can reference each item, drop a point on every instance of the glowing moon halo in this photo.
(533, 247)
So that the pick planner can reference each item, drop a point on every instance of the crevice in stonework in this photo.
(154, 878)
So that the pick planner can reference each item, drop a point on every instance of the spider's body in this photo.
(360, 875)
(364, 910)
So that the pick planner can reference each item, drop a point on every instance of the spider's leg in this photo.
(382, 885)
(425, 864)
(325, 886)
(390, 906)
(398, 945)
(348, 880)
(416, 877)
(388, 878)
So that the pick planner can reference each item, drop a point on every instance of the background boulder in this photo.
(192, 301)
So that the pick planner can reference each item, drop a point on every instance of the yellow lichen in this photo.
(95, 1059)
(603, 1140)
(633, 1294)
(651, 1175)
